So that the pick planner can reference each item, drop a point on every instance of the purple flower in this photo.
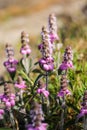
(9, 101)
(62, 93)
(25, 49)
(54, 37)
(63, 89)
(43, 126)
(20, 83)
(11, 65)
(1, 113)
(46, 64)
(67, 59)
(43, 91)
(83, 110)
(65, 65)
(40, 47)
(82, 113)
(53, 28)
(46, 48)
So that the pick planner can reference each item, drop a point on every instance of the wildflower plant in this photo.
(47, 93)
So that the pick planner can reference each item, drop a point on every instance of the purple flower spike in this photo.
(64, 89)
(53, 28)
(67, 60)
(11, 63)
(25, 49)
(83, 110)
(42, 89)
(8, 98)
(46, 48)
(20, 83)
(36, 115)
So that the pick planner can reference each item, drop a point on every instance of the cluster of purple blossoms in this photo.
(64, 87)
(1, 113)
(53, 28)
(20, 83)
(11, 63)
(37, 117)
(46, 62)
(83, 110)
(8, 98)
(42, 89)
(25, 48)
(67, 59)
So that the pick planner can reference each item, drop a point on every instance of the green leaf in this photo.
(25, 76)
(37, 71)
(25, 62)
(38, 78)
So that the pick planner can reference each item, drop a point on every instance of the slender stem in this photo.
(58, 59)
(62, 114)
(21, 97)
(85, 122)
(22, 103)
(48, 103)
(46, 80)
(12, 119)
(42, 98)
(62, 120)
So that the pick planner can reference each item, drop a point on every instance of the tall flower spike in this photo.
(45, 46)
(42, 89)
(25, 49)
(67, 59)
(53, 28)
(83, 110)
(11, 63)
(8, 98)
(46, 62)
(63, 89)
(36, 115)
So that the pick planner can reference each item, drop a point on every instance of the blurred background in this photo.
(31, 15)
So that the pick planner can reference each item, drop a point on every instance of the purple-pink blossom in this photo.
(65, 65)
(82, 113)
(43, 91)
(25, 48)
(43, 126)
(83, 110)
(63, 87)
(67, 59)
(47, 64)
(62, 93)
(54, 37)
(9, 101)
(20, 83)
(52, 24)
(1, 113)
(11, 63)
(11, 66)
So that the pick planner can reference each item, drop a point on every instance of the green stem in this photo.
(12, 120)
(46, 80)
(85, 122)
